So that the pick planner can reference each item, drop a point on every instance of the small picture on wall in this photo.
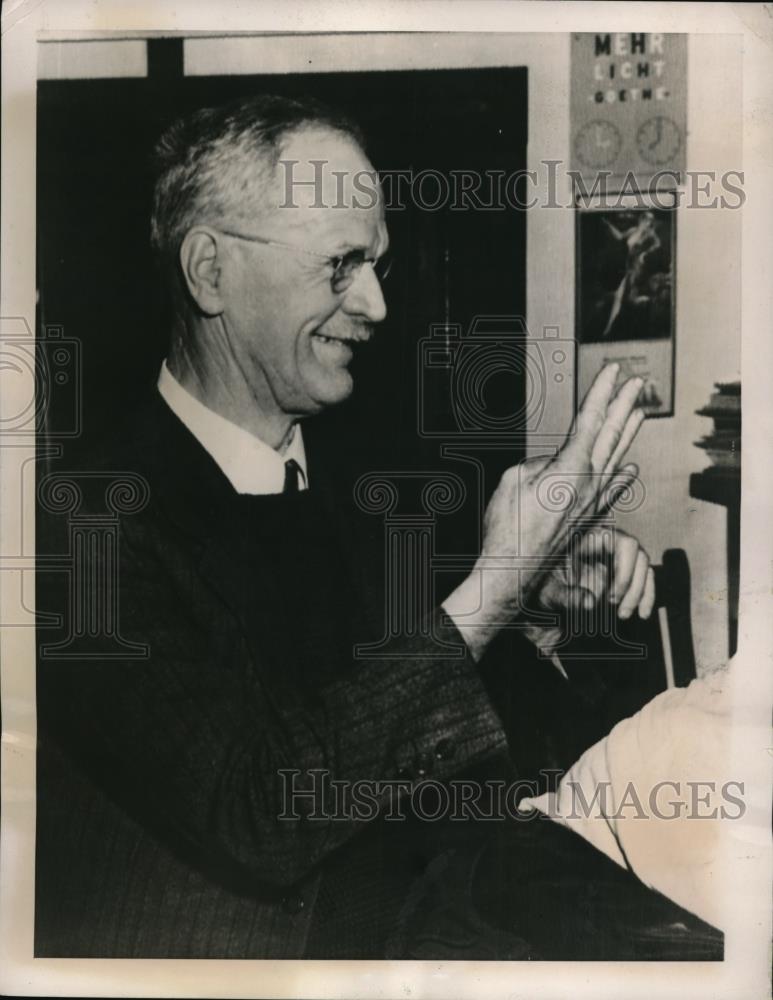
(625, 280)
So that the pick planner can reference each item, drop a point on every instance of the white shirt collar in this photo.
(250, 464)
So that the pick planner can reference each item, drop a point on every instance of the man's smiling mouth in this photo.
(335, 340)
(347, 341)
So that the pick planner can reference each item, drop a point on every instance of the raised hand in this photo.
(524, 533)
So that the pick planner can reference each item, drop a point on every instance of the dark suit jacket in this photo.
(158, 786)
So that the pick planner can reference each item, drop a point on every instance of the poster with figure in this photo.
(625, 248)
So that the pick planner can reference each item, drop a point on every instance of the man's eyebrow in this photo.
(346, 247)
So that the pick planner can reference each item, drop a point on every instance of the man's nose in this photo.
(364, 296)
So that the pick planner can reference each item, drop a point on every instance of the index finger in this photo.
(617, 420)
(593, 411)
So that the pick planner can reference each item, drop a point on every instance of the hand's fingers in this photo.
(589, 546)
(591, 415)
(647, 602)
(630, 431)
(593, 580)
(560, 595)
(600, 498)
(592, 545)
(616, 486)
(626, 554)
(553, 590)
(635, 591)
(601, 539)
(615, 423)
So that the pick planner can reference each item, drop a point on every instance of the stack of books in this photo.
(723, 446)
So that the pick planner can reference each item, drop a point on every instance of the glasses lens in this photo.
(350, 264)
(383, 266)
(346, 269)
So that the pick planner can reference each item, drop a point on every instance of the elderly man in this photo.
(164, 826)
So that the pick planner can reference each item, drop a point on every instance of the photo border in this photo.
(745, 972)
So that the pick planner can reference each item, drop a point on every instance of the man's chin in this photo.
(333, 391)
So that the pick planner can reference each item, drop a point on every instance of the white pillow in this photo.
(656, 794)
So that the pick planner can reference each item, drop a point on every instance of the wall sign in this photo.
(628, 107)
(625, 294)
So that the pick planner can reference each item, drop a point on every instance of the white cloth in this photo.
(249, 463)
(654, 811)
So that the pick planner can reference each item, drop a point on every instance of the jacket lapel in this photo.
(188, 488)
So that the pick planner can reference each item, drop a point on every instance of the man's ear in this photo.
(201, 270)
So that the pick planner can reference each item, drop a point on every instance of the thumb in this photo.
(533, 466)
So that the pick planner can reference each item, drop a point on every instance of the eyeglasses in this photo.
(345, 267)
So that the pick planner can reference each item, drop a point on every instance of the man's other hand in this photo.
(605, 564)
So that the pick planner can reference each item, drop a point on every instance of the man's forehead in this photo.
(325, 184)
(321, 169)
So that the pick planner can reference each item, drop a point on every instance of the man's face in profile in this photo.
(291, 332)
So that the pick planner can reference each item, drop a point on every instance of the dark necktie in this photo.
(292, 473)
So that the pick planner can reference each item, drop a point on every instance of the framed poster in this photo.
(625, 286)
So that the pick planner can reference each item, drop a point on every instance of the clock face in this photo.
(658, 140)
(598, 144)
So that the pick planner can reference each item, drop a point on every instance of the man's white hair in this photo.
(213, 165)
